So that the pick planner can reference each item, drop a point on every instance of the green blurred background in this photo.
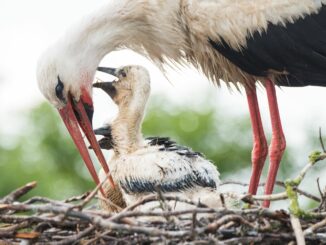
(43, 151)
(34, 145)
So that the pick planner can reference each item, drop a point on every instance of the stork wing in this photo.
(296, 51)
(164, 171)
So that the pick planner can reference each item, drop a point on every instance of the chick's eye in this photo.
(59, 90)
(123, 73)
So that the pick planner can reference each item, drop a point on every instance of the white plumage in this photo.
(140, 167)
(275, 42)
(147, 170)
(168, 30)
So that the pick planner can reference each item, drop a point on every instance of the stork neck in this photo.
(147, 27)
(126, 128)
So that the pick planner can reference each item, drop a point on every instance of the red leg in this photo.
(278, 143)
(259, 151)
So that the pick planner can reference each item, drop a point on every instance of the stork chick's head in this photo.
(68, 87)
(132, 87)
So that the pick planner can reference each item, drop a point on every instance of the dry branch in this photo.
(16, 194)
(43, 217)
(45, 221)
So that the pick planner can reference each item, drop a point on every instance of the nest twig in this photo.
(46, 221)
(41, 220)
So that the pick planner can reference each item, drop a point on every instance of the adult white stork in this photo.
(142, 166)
(278, 42)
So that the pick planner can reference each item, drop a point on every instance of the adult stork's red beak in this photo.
(79, 114)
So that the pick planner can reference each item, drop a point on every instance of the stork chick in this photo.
(140, 167)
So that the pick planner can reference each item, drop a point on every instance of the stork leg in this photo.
(259, 151)
(278, 143)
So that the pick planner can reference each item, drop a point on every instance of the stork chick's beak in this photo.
(79, 114)
(108, 70)
(108, 87)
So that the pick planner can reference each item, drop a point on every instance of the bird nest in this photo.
(40, 220)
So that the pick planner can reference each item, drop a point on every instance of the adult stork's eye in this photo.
(59, 90)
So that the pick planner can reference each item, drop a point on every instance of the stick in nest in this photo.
(43, 218)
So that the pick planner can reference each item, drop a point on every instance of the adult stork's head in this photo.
(67, 84)
(66, 70)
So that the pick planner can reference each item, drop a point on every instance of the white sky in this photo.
(28, 27)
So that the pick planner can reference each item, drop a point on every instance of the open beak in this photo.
(78, 115)
(106, 142)
(108, 87)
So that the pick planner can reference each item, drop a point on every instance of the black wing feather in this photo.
(169, 145)
(299, 49)
(132, 185)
